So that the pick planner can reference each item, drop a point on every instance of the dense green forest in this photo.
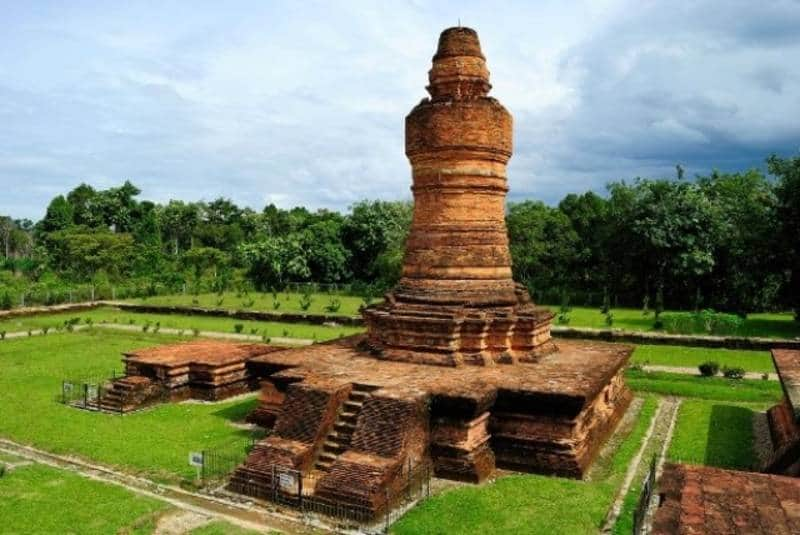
(727, 241)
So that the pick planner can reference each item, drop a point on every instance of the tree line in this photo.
(727, 241)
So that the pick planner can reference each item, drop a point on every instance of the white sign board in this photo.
(196, 458)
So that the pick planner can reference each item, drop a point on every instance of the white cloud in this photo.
(303, 103)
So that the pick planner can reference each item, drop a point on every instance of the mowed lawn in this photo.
(530, 503)
(154, 442)
(692, 357)
(176, 321)
(766, 324)
(715, 434)
(711, 388)
(290, 302)
(39, 499)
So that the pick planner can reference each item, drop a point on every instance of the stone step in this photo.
(348, 416)
(334, 447)
(353, 406)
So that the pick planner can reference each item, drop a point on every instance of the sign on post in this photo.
(196, 460)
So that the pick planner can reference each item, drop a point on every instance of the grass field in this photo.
(222, 528)
(771, 325)
(529, 503)
(154, 442)
(692, 357)
(40, 499)
(714, 434)
(712, 388)
(289, 302)
(203, 323)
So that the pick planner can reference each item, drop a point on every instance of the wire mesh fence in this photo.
(368, 510)
(86, 392)
(645, 498)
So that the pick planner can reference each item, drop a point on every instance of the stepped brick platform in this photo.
(358, 423)
(699, 499)
(201, 369)
(457, 369)
(784, 418)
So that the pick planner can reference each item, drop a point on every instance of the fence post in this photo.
(203, 467)
(63, 393)
(85, 394)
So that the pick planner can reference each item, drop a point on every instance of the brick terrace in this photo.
(698, 499)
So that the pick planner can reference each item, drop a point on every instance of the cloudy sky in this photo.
(303, 102)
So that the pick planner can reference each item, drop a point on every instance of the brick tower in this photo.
(457, 302)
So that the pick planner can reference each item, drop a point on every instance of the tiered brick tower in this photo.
(457, 302)
(351, 419)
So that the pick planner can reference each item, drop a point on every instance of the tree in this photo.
(80, 252)
(274, 261)
(373, 230)
(744, 278)
(59, 216)
(787, 171)
(202, 259)
(543, 246)
(178, 221)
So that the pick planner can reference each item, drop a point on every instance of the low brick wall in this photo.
(634, 337)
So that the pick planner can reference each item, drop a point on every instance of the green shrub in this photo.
(238, 328)
(733, 373)
(276, 304)
(45, 330)
(333, 305)
(5, 301)
(2, 335)
(196, 331)
(305, 301)
(609, 318)
(2, 469)
(702, 322)
(709, 368)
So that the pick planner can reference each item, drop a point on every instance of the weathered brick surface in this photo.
(456, 302)
(501, 388)
(700, 499)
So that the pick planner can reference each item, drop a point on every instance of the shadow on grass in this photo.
(237, 412)
(730, 437)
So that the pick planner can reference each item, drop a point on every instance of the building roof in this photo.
(701, 499)
(208, 352)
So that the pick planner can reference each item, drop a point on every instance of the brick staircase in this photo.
(126, 394)
(338, 440)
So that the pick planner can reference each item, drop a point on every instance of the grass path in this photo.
(241, 515)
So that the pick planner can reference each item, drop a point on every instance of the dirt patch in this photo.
(180, 522)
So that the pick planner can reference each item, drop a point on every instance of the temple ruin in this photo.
(457, 370)
(201, 369)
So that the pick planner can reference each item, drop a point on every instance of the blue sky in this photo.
(303, 102)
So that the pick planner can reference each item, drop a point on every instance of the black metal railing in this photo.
(645, 497)
(291, 488)
(220, 461)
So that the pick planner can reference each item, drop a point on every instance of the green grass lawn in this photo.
(529, 503)
(289, 302)
(714, 434)
(713, 388)
(771, 325)
(221, 528)
(39, 499)
(203, 323)
(692, 357)
(154, 442)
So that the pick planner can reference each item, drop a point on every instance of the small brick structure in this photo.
(457, 369)
(784, 418)
(200, 369)
(701, 499)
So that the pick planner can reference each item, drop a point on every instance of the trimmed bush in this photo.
(702, 322)
(238, 328)
(733, 373)
(709, 368)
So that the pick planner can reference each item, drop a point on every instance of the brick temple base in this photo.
(356, 424)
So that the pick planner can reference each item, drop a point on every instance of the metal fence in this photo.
(220, 461)
(86, 392)
(374, 512)
(645, 498)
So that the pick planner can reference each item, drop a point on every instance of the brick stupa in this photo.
(457, 370)
(457, 302)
